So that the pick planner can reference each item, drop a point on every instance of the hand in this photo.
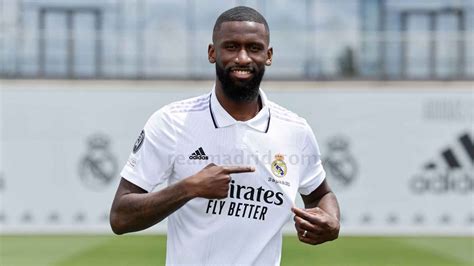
(212, 182)
(318, 225)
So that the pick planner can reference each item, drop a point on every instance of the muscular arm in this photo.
(134, 209)
(324, 198)
(319, 221)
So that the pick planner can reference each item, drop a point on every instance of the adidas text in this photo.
(198, 157)
(199, 154)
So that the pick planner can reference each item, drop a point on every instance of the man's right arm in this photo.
(133, 209)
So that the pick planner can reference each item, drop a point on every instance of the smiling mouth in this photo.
(241, 73)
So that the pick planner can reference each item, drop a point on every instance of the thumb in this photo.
(315, 210)
(210, 165)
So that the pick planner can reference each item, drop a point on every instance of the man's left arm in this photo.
(319, 221)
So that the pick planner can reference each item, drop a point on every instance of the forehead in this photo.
(241, 30)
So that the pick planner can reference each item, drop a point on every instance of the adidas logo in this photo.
(452, 172)
(199, 154)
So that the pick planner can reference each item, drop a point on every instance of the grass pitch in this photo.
(150, 250)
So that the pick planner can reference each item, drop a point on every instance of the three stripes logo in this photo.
(199, 154)
(452, 172)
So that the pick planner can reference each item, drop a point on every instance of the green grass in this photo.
(150, 250)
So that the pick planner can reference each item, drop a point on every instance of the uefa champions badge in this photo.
(139, 141)
(279, 166)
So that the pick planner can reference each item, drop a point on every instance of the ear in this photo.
(268, 62)
(211, 54)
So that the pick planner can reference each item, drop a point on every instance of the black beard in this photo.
(240, 91)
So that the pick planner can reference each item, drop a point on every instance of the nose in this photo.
(242, 57)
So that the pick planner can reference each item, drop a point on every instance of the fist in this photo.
(315, 226)
(212, 182)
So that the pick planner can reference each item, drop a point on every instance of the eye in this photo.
(255, 48)
(230, 46)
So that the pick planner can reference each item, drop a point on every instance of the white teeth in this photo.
(242, 71)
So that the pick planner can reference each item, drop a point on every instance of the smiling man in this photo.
(219, 211)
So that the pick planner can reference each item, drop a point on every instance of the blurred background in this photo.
(386, 85)
(314, 39)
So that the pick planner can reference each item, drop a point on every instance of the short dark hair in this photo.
(241, 13)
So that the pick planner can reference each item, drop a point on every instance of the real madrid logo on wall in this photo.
(279, 166)
(99, 166)
(340, 163)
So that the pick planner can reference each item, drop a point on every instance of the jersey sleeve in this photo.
(151, 160)
(312, 172)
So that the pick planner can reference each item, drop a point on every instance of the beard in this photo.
(240, 91)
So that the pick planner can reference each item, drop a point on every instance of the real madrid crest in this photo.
(98, 168)
(279, 166)
(339, 162)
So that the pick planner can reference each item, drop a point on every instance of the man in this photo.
(220, 211)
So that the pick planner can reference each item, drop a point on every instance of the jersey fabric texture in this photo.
(246, 227)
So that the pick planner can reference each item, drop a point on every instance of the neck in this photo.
(240, 111)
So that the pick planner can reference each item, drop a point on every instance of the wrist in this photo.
(190, 187)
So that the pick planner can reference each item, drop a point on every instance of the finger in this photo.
(308, 235)
(301, 232)
(210, 165)
(305, 225)
(310, 238)
(298, 227)
(316, 210)
(313, 242)
(313, 218)
(306, 239)
(224, 193)
(238, 169)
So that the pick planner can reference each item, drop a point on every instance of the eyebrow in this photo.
(253, 42)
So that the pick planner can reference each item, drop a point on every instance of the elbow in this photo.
(336, 230)
(117, 227)
(117, 230)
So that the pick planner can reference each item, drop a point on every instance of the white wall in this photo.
(64, 142)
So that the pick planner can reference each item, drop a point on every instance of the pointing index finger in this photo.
(311, 217)
(238, 169)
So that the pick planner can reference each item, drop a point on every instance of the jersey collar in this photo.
(220, 117)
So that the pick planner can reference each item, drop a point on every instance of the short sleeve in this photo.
(151, 160)
(312, 173)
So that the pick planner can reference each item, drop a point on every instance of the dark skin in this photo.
(247, 44)
(133, 209)
(238, 43)
(320, 218)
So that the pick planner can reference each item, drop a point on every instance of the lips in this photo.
(241, 73)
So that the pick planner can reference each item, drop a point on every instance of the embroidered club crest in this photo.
(279, 166)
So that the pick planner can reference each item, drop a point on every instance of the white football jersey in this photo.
(246, 227)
